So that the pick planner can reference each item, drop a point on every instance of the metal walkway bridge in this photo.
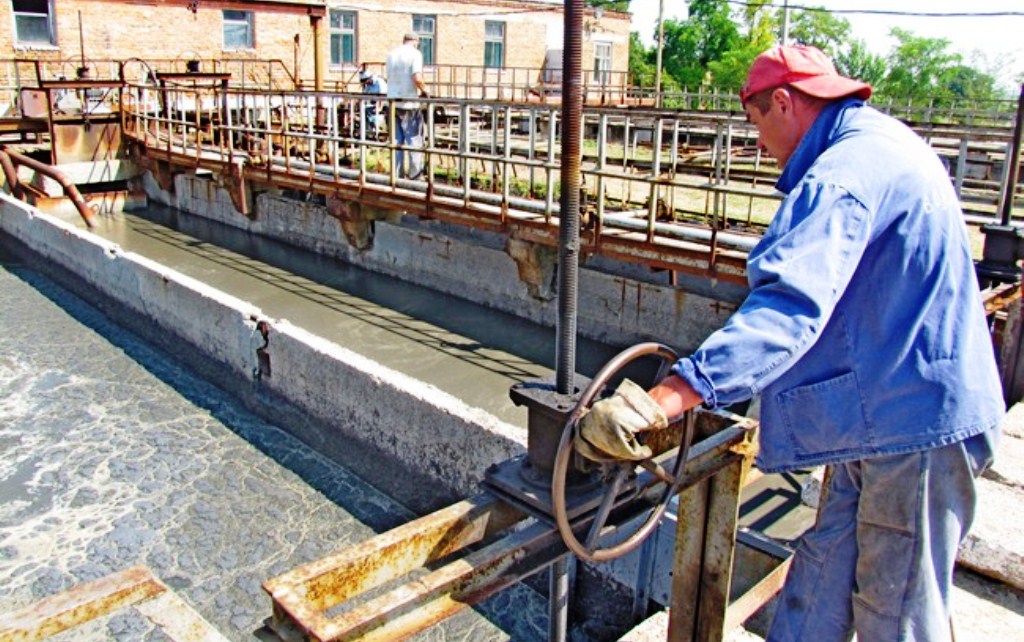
(684, 192)
(488, 165)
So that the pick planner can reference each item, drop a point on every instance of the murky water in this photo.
(470, 351)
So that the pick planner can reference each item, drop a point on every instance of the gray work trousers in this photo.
(879, 561)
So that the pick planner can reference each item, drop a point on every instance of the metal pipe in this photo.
(623, 220)
(12, 176)
(70, 190)
(1013, 160)
(569, 206)
(81, 38)
(318, 54)
(658, 99)
(568, 264)
(558, 599)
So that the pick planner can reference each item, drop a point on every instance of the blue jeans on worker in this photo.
(879, 561)
(371, 119)
(409, 132)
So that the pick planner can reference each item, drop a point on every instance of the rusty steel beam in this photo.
(134, 587)
(304, 595)
(80, 604)
(707, 517)
(177, 620)
(757, 596)
(1001, 297)
(719, 551)
(358, 581)
(438, 595)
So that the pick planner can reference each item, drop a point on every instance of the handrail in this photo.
(70, 189)
(641, 166)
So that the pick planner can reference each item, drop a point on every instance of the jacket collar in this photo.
(823, 133)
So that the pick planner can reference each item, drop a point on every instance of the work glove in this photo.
(609, 429)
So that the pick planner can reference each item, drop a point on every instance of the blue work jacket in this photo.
(864, 331)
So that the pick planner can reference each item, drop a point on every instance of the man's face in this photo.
(778, 132)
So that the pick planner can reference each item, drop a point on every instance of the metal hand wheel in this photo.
(621, 470)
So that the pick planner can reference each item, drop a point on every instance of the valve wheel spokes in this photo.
(588, 549)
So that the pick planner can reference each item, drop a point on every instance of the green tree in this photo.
(916, 65)
(641, 62)
(729, 72)
(855, 61)
(924, 70)
(691, 45)
(962, 81)
(817, 27)
(611, 5)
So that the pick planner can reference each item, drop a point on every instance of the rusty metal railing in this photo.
(492, 160)
(9, 158)
(512, 84)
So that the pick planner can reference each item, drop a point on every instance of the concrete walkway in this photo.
(995, 545)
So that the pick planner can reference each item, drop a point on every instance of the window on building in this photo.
(494, 44)
(238, 31)
(602, 62)
(343, 37)
(33, 21)
(426, 28)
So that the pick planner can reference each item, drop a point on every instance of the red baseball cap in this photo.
(803, 67)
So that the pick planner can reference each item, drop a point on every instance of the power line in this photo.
(888, 12)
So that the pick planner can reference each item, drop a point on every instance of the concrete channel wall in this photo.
(618, 304)
(449, 445)
(452, 443)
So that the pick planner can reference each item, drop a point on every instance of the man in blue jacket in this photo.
(865, 337)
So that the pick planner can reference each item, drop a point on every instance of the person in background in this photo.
(865, 337)
(372, 116)
(405, 85)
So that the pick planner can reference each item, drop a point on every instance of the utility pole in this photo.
(785, 22)
(661, 45)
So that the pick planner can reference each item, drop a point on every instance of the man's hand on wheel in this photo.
(609, 429)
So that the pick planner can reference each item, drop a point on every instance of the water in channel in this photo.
(470, 351)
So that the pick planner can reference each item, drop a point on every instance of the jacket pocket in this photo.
(825, 417)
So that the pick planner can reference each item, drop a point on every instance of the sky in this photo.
(997, 39)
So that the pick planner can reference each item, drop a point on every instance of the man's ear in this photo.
(782, 99)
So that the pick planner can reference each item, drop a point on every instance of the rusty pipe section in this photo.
(1013, 162)
(11, 174)
(70, 189)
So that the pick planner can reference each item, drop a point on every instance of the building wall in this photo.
(107, 30)
(531, 29)
(118, 30)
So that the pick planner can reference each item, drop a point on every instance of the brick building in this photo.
(325, 40)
